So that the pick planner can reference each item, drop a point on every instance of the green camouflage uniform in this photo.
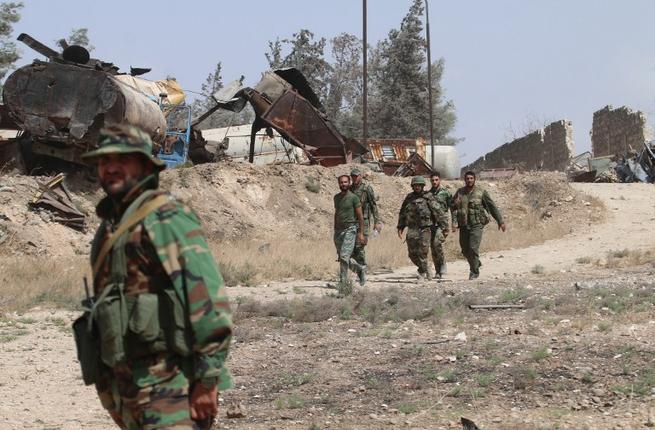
(345, 233)
(370, 210)
(174, 314)
(445, 200)
(419, 212)
(470, 208)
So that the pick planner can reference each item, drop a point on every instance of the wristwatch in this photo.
(209, 382)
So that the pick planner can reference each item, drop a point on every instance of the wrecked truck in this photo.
(284, 101)
(60, 105)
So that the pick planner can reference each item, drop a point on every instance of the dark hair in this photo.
(435, 174)
(470, 173)
(343, 176)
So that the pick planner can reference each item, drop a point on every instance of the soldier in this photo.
(369, 209)
(348, 231)
(470, 206)
(445, 200)
(162, 316)
(419, 212)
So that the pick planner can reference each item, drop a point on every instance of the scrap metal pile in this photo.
(636, 166)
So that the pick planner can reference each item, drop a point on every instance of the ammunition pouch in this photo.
(87, 343)
(477, 215)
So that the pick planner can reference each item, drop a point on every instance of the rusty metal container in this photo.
(63, 107)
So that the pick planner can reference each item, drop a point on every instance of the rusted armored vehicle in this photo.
(60, 105)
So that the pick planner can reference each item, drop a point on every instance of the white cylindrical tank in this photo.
(446, 160)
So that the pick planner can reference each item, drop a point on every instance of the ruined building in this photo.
(618, 131)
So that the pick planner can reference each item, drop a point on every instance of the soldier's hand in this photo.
(445, 232)
(400, 233)
(378, 227)
(502, 227)
(455, 228)
(203, 402)
(361, 239)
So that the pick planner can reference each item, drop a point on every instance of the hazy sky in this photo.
(509, 63)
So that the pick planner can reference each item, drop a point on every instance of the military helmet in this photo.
(418, 180)
(123, 139)
(355, 172)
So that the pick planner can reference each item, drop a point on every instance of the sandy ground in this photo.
(40, 387)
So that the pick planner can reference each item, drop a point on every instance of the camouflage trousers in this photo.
(469, 241)
(418, 247)
(436, 246)
(163, 404)
(359, 253)
(345, 241)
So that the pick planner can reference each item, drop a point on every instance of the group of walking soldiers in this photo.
(423, 213)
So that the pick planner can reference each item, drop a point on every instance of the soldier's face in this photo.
(344, 183)
(356, 179)
(418, 188)
(469, 180)
(119, 173)
(435, 181)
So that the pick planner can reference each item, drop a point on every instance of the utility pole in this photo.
(364, 77)
(427, 39)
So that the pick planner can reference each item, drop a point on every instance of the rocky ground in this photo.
(576, 354)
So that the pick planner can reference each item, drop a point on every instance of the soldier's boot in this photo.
(428, 274)
(473, 275)
(443, 270)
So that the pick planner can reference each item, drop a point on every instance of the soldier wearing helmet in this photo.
(155, 340)
(418, 213)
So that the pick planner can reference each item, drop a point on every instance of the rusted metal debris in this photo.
(54, 197)
(284, 101)
(634, 166)
(390, 154)
(415, 165)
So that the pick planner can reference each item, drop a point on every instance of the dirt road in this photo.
(40, 387)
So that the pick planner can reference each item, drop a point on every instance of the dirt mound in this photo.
(239, 202)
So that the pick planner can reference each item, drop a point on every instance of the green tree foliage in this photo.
(304, 54)
(399, 85)
(9, 15)
(343, 104)
(78, 36)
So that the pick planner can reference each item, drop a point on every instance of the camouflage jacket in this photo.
(167, 250)
(471, 207)
(369, 203)
(445, 201)
(420, 211)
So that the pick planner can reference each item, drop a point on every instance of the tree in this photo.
(399, 85)
(78, 36)
(345, 84)
(9, 15)
(220, 118)
(306, 55)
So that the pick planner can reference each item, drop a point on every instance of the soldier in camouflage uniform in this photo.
(162, 316)
(419, 212)
(369, 209)
(470, 205)
(348, 231)
(445, 200)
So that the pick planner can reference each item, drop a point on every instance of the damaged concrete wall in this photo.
(548, 148)
(618, 131)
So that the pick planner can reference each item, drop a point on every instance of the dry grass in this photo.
(32, 281)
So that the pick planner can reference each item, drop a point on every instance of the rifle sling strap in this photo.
(125, 225)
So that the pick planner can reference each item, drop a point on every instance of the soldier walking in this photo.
(419, 212)
(470, 205)
(366, 195)
(348, 232)
(160, 319)
(445, 200)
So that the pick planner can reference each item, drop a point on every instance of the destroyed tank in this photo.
(60, 105)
